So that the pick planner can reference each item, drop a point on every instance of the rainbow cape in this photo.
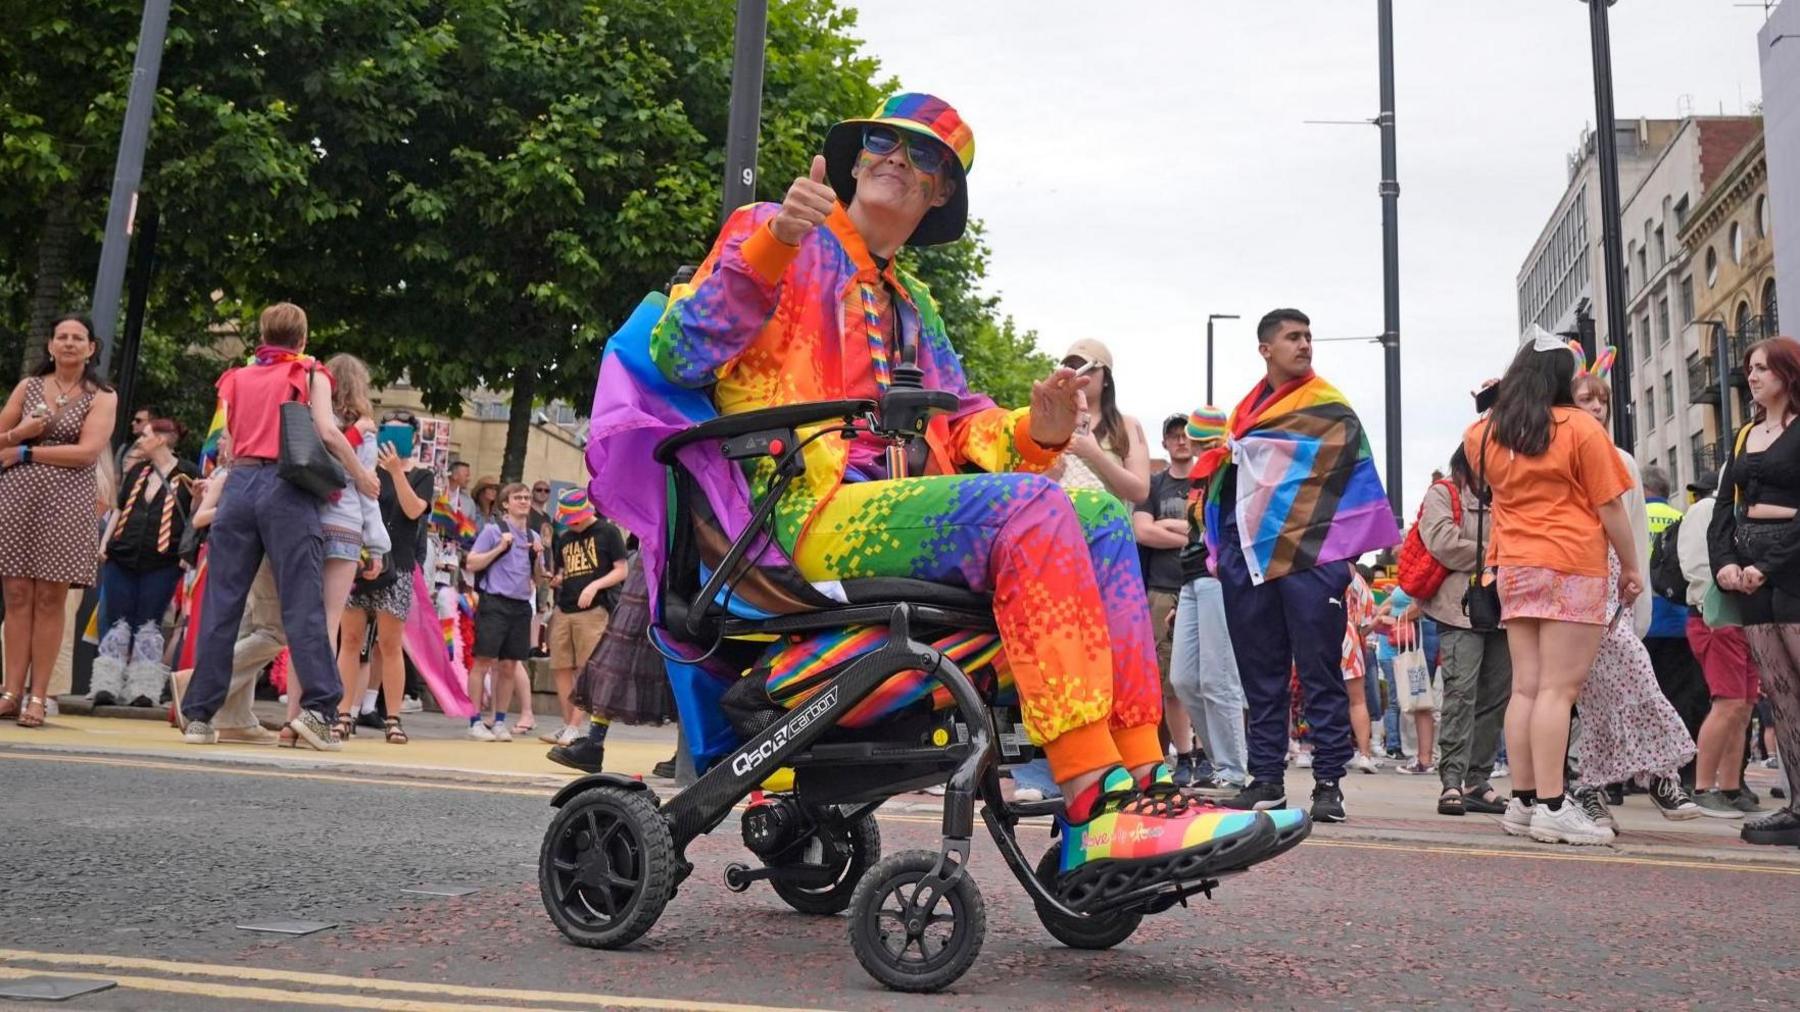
(1307, 489)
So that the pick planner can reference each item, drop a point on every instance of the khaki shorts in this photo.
(1162, 605)
(574, 635)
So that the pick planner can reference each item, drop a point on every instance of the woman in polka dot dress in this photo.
(53, 429)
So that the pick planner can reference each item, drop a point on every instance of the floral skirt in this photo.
(1535, 592)
(1628, 727)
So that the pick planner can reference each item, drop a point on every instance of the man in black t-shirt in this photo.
(587, 560)
(1161, 526)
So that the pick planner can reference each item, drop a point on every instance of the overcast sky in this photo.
(1140, 165)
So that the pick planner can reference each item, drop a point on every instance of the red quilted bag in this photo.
(1420, 573)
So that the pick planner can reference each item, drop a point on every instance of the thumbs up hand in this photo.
(808, 203)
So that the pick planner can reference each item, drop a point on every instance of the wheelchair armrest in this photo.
(786, 416)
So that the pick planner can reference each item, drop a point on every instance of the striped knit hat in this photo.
(1206, 425)
(573, 507)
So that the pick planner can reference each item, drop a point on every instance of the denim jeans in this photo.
(1203, 672)
(1390, 717)
(263, 514)
(136, 597)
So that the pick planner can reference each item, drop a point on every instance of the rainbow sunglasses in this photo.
(927, 155)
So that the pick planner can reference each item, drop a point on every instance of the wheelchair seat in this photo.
(894, 590)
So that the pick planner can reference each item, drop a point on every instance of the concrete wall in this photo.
(1781, 129)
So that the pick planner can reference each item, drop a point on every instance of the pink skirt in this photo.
(1535, 592)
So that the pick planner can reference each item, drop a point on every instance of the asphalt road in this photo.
(139, 871)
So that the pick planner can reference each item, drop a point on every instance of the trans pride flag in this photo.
(1307, 489)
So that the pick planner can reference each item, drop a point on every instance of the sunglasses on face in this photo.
(927, 156)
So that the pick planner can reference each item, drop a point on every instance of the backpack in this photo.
(1666, 579)
(1420, 573)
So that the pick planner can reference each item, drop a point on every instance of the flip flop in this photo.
(1450, 802)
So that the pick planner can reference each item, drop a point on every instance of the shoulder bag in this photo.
(304, 461)
(1481, 602)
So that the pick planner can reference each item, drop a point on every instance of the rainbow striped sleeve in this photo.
(713, 318)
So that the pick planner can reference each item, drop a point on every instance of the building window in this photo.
(1770, 310)
(1669, 399)
(1712, 267)
(1662, 250)
(1743, 318)
(1762, 217)
(1681, 213)
(1737, 243)
(1687, 300)
(1643, 265)
(1649, 410)
(1662, 321)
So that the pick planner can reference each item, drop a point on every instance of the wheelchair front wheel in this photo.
(1097, 931)
(916, 948)
(607, 867)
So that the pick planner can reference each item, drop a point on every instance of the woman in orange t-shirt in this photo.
(1556, 482)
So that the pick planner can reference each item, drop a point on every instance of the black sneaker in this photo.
(1615, 794)
(1328, 802)
(584, 755)
(1780, 828)
(1258, 796)
(1592, 803)
(664, 769)
(1672, 800)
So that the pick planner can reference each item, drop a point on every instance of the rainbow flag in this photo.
(215, 432)
(1307, 489)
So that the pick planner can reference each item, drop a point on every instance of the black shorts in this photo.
(502, 628)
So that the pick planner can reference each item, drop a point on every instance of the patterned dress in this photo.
(47, 513)
(1628, 728)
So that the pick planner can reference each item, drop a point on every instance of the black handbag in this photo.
(304, 461)
(1481, 602)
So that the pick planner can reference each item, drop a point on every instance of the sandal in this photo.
(29, 719)
(396, 735)
(9, 705)
(1450, 802)
(1485, 802)
(346, 726)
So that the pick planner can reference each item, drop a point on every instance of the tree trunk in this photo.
(518, 423)
(55, 255)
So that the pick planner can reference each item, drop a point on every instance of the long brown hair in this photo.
(1782, 354)
(350, 393)
(1109, 429)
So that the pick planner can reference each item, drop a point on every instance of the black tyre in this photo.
(861, 838)
(1101, 931)
(607, 867)
(920, 951)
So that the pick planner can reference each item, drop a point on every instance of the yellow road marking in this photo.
(922, 820)
(265, 975)
(231, 992)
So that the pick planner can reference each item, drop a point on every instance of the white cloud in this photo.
(1140, 165)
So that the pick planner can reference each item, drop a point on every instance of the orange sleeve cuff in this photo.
(768, 256)
(1029, 449)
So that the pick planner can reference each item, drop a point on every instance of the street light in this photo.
(1607, 151)
(1210, 317)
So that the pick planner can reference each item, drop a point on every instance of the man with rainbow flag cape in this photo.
(803, 301)
(1295, 499)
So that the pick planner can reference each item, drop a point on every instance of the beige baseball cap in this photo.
(1089, 349)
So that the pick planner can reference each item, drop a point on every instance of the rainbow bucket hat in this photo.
(926, 116)
(573, 507)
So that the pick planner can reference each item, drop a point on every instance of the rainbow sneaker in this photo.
(1137, 841)
(1291, 824)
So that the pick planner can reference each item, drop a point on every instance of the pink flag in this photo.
(424, 641)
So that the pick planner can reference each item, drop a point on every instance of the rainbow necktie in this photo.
(878, 349)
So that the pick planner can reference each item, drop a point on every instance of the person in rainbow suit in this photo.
(802, 301)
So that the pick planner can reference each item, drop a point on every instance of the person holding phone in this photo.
(505, 559)
(386, 598)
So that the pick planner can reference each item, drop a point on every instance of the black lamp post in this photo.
(1210, 317)
(1611, 237)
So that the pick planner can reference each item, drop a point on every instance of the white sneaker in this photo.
(1516, 820)
(1025, 794)
(481, 732)
(1304, 762)
(500, 731)
(1364, 764)
(1568, 824)
(411, 704)
(1500, 770)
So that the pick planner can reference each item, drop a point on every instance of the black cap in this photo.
(1704, 482)
(1172, 421)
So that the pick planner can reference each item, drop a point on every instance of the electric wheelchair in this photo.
(614, 853)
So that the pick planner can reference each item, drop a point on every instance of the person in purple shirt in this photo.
(506, 559)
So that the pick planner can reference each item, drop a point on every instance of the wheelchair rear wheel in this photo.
(1101, 931)
(923, 947)
(859, 842)
(607, 867)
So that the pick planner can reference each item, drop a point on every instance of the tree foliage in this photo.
(465, 192)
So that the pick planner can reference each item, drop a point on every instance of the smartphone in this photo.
(398, 435)
(1484, 399)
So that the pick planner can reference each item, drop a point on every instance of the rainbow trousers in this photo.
(1069, 601)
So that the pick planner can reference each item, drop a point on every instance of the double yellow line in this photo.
(256, 984)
